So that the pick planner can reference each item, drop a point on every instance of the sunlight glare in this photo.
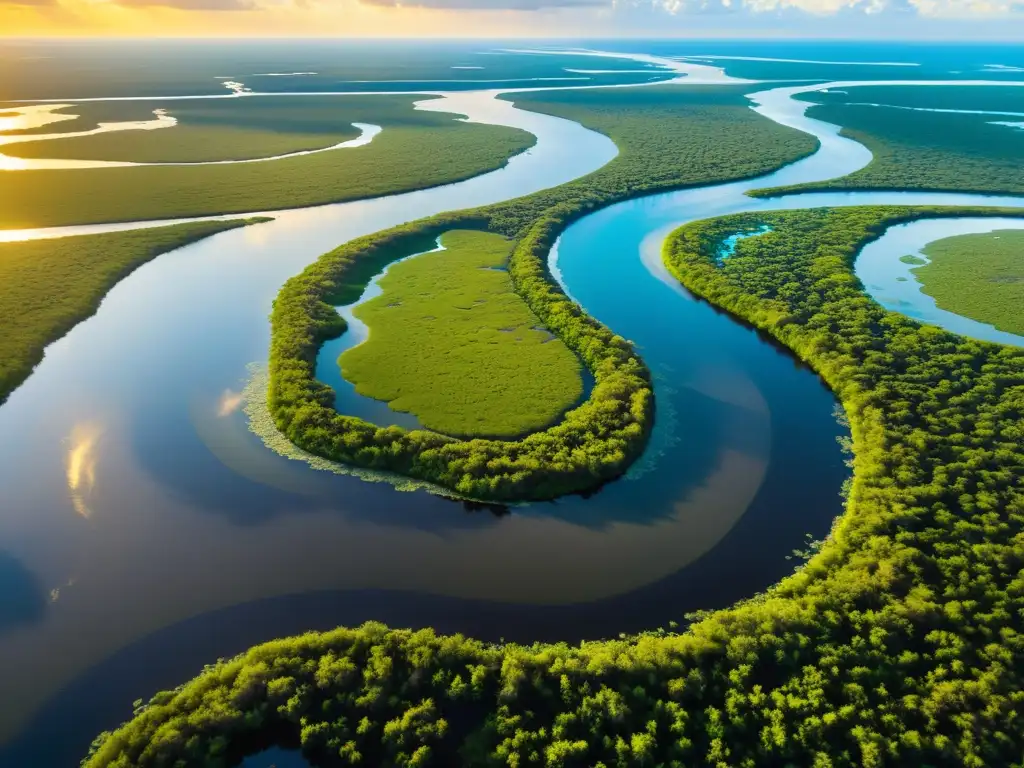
(81, 465)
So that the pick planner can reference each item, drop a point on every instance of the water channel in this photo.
(146, 531)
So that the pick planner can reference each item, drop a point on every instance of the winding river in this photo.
(148, 531)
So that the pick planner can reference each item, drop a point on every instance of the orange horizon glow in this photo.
(340, 18)
(359, 19)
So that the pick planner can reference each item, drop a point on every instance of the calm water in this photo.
(147, 532)
(880, 269)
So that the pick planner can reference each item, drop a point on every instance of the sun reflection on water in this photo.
(30, 117)
(81, 465)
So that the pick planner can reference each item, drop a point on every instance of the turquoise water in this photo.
(728, 247)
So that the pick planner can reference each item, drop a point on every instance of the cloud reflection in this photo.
(81, 465)
(230, 401)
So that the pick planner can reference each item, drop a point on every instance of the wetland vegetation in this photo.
(980, 276)
(682, 137)
(451, 342)
(51, 285)
(896, 643)
(416, 149)
(926, 150)
(209, 130)
(57, 69)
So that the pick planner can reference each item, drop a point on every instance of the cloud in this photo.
(489, 5)
(827, 8)
(782, 9)
(28, 3)
(191, 5)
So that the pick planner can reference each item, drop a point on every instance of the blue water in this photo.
(934, 61)
(328, 368)
(728, 247)
(880, 269)
(275, 757)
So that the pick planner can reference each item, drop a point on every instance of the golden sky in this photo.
(906, 19)
(140, 18)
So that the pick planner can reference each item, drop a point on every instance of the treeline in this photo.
(899, 643)
(668, 138)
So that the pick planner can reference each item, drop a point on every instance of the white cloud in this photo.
(964, 9)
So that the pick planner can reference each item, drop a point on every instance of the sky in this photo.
(901, 19)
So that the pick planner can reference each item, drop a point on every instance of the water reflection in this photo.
(81, 465)
(275, 757)
(894, 283)
(22, 598)
(230, 401)
(38, 116)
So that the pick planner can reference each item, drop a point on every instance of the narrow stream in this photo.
(147, 531)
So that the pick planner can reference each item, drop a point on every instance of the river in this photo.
(147, 531)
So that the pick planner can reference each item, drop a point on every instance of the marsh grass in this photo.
(48, 286)
(451, 342)
(980, 276)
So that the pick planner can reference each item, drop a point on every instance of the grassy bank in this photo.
(415, 150)
(684, 137)
(451, 342)
(48, 286)
(980, 276)
(897, 644)
(926, 150)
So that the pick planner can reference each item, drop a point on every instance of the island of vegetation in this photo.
(452, 343)
(910, 258)
(415, 149)
(48, 286)
(898, 643)
(913, 148)
(668, 137)
(979, 276)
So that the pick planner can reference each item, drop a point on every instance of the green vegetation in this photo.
(898, 643)
(925, 150)
(51, 285)
(593, 443)
(912, 259)
(229, 129)
(76, 69)
(979, 276)
(87, 115)
(416, 149)
(451, 342)
(992, 98)
(683, 137)
(671, 136)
